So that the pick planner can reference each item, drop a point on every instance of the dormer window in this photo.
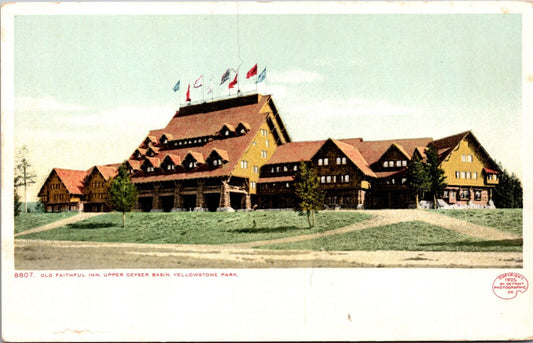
(149, 169)
(170, 166)
(386, 164)
(193, 164)
(226, 133)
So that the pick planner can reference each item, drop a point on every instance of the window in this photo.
(277, 169)
(404, 180)
(463, 158)
(326, 161)
(320, 162)
(445, 194)
(226, 133)
(477, 195)
(267, 144)
(285, 169)
(287, 185)
(272, 170)
(386, 164)
(149, 169)
(328, 179)
(346, 178)
(474, 175)
(253, 184)
(170, 166)
(256, 169)
(295, 168)
(244, 164)
(468, 175)
(264, 154)
(469, 158)
(322, 179)
(264, 132)
(453, 194)
(343, 160)
(465, 194)
(192, 164)
(254, 143)
(334, 178)
(393, 181)
(404, 163)
(243, 131)
(338, 160)
(457, 174)
(463, 175)
(398, 163)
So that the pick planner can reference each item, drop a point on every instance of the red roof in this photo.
(207, 120)
(174, 158)
(373, 150)
(107, 171)
(490, 171)
(295, 152)
(135, 165)
(222, 153)
(72, 179)
(355, 156)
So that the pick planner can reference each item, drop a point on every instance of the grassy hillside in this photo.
(197, 227)
(27, 221)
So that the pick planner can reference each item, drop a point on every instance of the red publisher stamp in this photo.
(508, 285)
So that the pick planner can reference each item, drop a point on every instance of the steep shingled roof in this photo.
(295, 152)
(206, 120)
(373, 150)
(355, 156)
(72, 179)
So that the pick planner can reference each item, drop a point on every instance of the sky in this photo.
(88, 88)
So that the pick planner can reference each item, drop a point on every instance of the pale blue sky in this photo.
(88, 88)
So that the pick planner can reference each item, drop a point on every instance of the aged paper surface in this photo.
(99, 98)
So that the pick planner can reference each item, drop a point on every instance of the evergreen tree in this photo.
(310, 198)
(24, 175)
(122, 194)
(435, 174)
(16, 203)
(39, 206)
(418, 179)
(508, 193)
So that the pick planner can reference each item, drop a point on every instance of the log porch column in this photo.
(224, 195)
(178, 201)
(155, 198)
(200, 196)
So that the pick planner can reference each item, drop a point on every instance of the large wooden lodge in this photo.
(235, 154)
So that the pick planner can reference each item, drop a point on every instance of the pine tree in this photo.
(24, 175)
(418, 179)
(16, 203)
(310, 198)
(435, 174)
(122, 194)
(508, 193)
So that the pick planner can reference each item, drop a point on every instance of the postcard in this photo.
(266, 171)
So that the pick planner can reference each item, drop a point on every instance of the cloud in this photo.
(294, 77)
(44, 104)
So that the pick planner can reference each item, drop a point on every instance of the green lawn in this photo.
(509, 219)
(411, 236)
(27, 221)
(197, 227)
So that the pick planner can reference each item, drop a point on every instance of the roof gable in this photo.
(73, 180)
(353, 155)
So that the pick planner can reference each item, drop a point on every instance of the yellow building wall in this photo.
(455, 163)
(254, 158)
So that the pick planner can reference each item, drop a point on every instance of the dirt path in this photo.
(57, 255)
(59, 223)
(386, 217)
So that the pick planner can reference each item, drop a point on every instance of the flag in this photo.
(225, 77)
(177, 87)
(198, 82)
(262, 76)
(252, 72)
(188, 93)
(234, 82)
(210, 87)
